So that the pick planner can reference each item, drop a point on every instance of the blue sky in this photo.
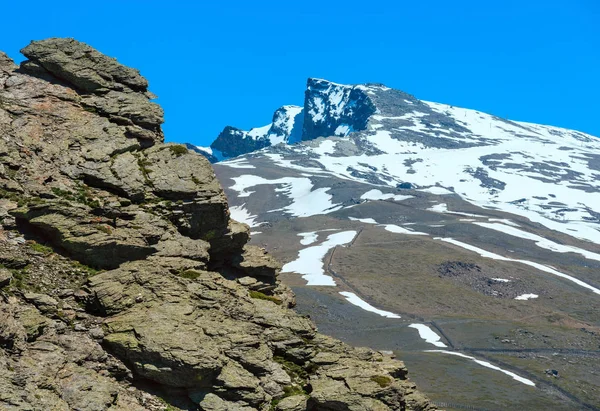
(234, 62)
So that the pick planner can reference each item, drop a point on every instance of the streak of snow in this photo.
(428, 335)
(443, 208)
(400, 230)
(378, 195)
(487, 365)
(363, 220)
(356, 300)
(504, 221)
(437, 190)
(308, 238)
(310, 264)
(526, 297)
(206, 149)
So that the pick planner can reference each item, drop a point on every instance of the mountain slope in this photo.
(544, 173)
(415, 225)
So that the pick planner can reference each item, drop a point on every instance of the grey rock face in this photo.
(118, 92)
(82, 66)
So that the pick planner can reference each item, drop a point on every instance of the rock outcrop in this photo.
(186, 315)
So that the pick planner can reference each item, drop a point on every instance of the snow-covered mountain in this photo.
(389, 139)
(406, 225)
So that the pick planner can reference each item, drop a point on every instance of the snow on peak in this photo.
(334, 109)
(259, 132)
(287, 125)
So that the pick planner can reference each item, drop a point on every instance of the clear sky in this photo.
(217, 63)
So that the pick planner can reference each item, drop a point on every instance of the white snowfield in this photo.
(488, 365)
(539, 172)
(310, 263)
(356, 300)
(305, 202)
(428, 335)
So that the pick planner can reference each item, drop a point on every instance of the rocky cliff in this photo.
(125, 284)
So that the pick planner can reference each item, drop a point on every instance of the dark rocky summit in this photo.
(186, 315)
(233, 142)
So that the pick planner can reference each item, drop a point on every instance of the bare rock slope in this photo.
(185, 312)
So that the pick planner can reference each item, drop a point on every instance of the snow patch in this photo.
(526, 297)
(326, 147)
(504, 221)
(440, 191)
(308, 238)
(304, 201)
(364, 220)
(356, 300)
(443, 209)
(259, 132)
(378, 195)
(401, 230)
(310, 263)
(428, 335)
